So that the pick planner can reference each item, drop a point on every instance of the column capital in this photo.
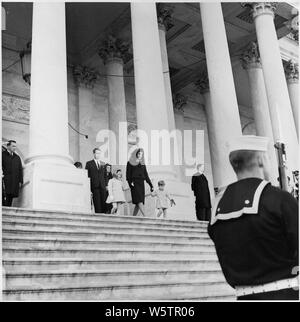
(113, 47)
(164, 16)
(179, 101)
(261, 8)
(202, 83)
(84, 76)
(251, 57)
(291, 69)
(293, 26)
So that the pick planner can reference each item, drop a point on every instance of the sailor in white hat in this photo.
(254, 227)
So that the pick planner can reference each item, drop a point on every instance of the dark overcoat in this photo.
(13, 173)
(201, 190)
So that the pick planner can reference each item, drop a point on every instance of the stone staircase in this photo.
(67, 256)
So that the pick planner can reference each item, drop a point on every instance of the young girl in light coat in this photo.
(116, 195)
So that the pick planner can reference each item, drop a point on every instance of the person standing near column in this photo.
(202, 194)
(12, 172)
(107, 176)
(96, 170)
(136, 175)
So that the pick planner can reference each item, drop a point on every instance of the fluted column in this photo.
(151, 106)
(202, 84)
(113, 53)
(292, 78)
(259, 101)
(85, 78)
(224, 112)
(50, 179)
(48, 131)
(164, 16)
(179, 102)
(278, 97)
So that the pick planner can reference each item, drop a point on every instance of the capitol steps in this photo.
(67, 256)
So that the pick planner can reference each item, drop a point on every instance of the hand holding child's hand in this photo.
(173, 203)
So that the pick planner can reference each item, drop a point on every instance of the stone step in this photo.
(102, 217)
(21, 224)
(39, 233)
(25, 265)
(33, 243)
(105, 253)
(129, 292)
(73, 279)
(103, 221)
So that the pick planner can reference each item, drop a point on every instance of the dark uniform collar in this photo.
(239, 198)
(10, 153)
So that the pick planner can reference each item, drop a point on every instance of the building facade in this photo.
(226, 69)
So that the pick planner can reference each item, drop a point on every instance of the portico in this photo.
(115, 76)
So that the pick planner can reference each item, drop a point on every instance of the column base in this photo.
(58, 187)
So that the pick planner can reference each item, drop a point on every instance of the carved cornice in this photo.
(84, 76)
(251, 57)
(261, 8)
(202, 83)
(164, 16)
(179, 101)
(293, 26)
(113, 47)
(291, 69)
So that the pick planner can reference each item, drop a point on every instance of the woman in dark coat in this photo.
(136, 175)
(12, 172)
(107, 176)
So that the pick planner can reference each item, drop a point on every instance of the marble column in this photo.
(151, 106)
(179, 102)
(202, 84)
(292, 78)
(3, 19)
(113, 53)
(259, 101)
(224, 112)
(50, 179)
(164, 16)
(85, 78)
(277, 92)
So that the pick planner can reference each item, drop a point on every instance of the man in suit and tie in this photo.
(202, 194)
(96, 170)
(12, 173)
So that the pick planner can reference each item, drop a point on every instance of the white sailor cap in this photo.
(248, 142)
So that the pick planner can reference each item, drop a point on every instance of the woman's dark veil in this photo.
(133, 157)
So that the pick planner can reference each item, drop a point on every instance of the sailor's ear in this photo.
(261, 159)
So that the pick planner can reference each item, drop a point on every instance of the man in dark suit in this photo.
(12, 174)
(96, 170)
(201, 192)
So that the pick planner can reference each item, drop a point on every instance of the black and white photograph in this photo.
(150, 153)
